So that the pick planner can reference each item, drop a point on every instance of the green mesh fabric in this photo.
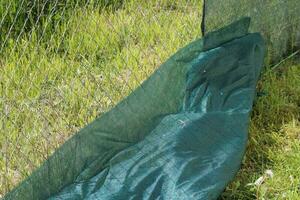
(277, 20)
(181, 135)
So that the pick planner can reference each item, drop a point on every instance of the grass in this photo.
(51, 88)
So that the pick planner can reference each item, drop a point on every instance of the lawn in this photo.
(54, 83)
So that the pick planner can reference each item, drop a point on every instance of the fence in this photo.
(278, 21)
(65, 62)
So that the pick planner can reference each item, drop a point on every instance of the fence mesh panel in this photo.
(277, 20)
(65, 62)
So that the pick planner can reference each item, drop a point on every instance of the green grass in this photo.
(51, 88)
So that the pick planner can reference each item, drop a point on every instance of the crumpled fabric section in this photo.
(181, 135)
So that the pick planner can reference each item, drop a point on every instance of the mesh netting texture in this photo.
(277, 20)
(63, 63)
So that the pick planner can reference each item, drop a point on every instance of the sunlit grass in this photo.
(51, 89)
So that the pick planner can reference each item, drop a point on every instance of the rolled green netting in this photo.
(180, 135)
(277, 20)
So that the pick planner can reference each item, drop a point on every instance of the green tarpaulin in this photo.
(180, 135)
